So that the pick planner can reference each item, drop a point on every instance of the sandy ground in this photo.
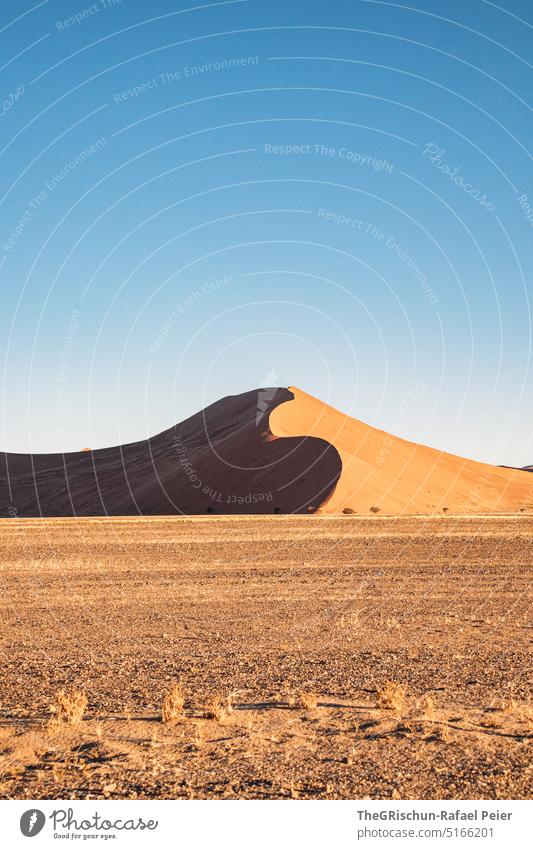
(256, 611)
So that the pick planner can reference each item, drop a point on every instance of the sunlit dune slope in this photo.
(396, 476)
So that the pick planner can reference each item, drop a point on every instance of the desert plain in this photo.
(317, 656)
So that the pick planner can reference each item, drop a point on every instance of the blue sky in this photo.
(200, 200)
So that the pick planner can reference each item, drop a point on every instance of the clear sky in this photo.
(197, 200)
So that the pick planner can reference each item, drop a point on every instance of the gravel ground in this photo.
(257, 611)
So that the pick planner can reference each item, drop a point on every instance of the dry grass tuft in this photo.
(442, 732)
(198, 738)
(517, 709)
(303, 701)
(216, 707)
(173, 703)
(427, 708)
(392, 696)
(69, 708)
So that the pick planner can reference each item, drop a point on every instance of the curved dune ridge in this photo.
(396, 476)
(271, 450)
(221, 460)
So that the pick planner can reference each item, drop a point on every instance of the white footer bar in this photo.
(261, 824)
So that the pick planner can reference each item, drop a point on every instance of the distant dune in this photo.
(399, 477)
(221, 460)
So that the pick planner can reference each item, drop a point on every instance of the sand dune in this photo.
(220, 460)
(266, 451)
(399, 477)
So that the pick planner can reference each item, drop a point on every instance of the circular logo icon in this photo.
(32, 822)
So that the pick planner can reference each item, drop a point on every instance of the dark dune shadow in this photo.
(222, 460)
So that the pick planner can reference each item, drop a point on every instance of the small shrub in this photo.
(69, 707)
(392, 696)
(375, 509)
(172, 708)
(348, 511)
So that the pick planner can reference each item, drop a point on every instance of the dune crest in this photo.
(396, 476)
(222, 459)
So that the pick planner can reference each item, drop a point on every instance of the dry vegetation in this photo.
(69, 707)
(392, 696)
(316, 657)
(306, 701)
(172, 708)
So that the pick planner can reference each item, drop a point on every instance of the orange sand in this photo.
(399, 477)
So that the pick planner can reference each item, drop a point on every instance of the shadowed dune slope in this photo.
(399, 477)
(221, 460)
